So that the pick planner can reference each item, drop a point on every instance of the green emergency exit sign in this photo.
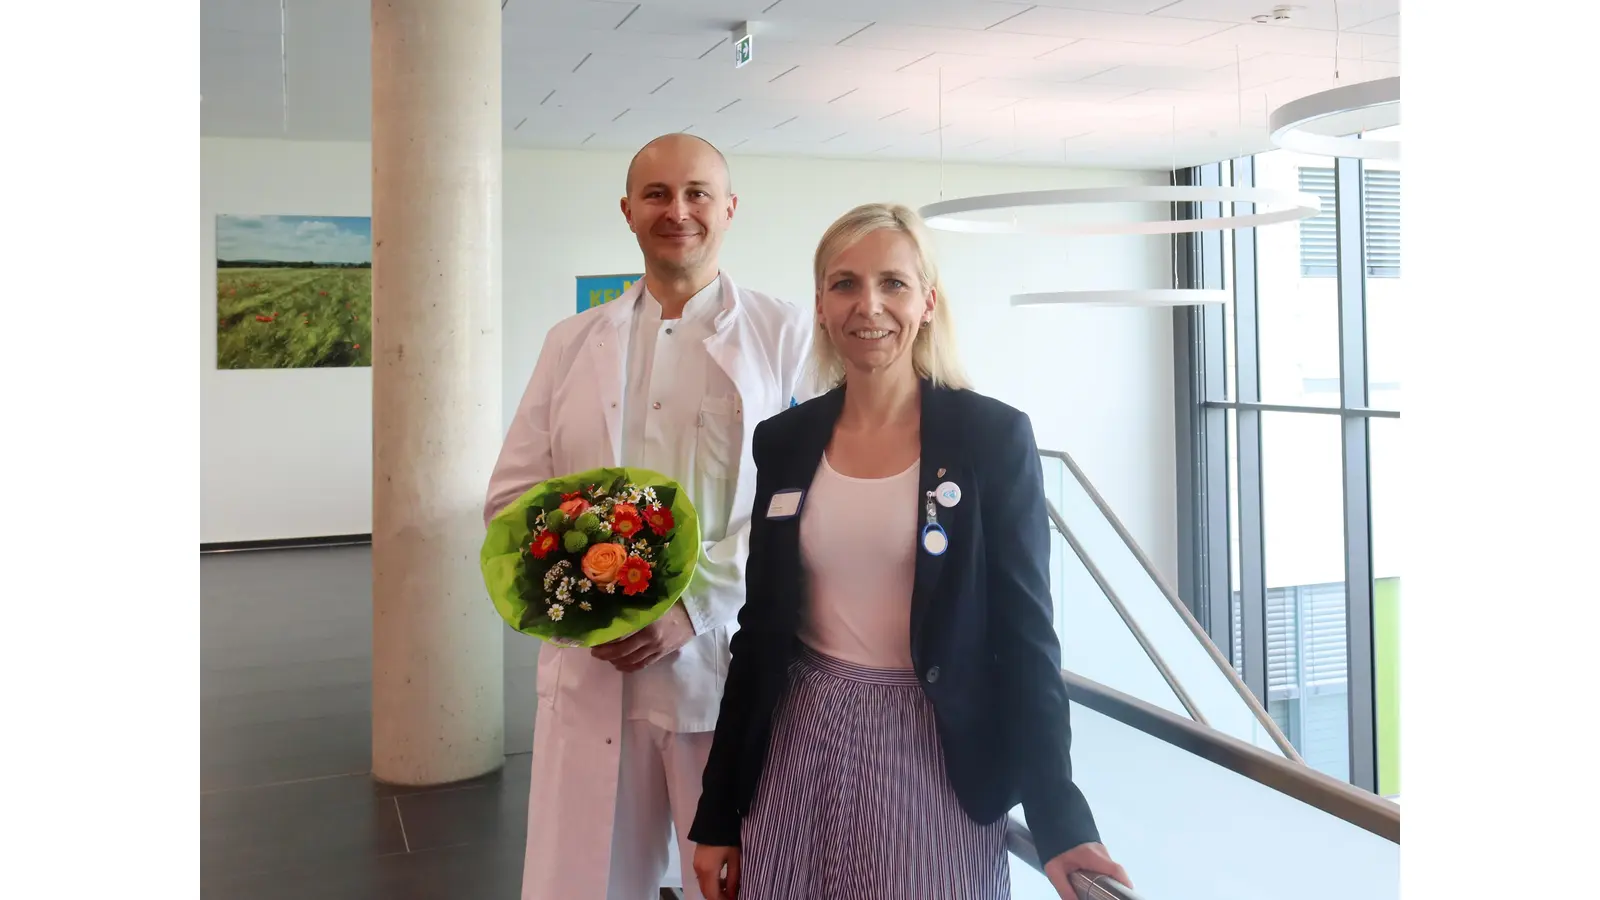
(742, 51)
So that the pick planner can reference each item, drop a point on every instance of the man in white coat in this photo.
(673, 376)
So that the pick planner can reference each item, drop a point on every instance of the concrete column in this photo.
(438, 710)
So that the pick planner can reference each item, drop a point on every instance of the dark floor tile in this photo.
(472, 872)
(296, 825)
(521, 649)
(285, 700)
(289, 650)
(522, 701)
(350, 671)
(272, 752)
(493, 811)
(286, 705)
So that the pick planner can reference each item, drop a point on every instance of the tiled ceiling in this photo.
(1125, 83)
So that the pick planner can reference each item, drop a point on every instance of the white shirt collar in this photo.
(704, 305)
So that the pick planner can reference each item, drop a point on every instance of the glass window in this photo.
(1297, 308)
(1385, 293)
(1231, 347)
(1302, 500)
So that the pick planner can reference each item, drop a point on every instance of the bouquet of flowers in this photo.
(589, 558)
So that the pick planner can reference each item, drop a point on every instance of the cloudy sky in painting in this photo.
(321, 239)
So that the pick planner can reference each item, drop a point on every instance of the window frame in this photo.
(1203, 440)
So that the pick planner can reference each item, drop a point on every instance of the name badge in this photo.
(785, 505)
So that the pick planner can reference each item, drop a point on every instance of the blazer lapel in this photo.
(939, 464)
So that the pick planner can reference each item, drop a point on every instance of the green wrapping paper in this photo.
(514, 579)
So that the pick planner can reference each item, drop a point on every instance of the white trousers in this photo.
(658, 792)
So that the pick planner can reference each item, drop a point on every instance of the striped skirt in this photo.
(854, 803)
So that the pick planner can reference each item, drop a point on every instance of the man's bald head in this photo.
(674, 146)
(678, 205)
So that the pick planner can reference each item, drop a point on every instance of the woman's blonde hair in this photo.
(933, 355)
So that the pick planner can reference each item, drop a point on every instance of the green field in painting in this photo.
(294, 318)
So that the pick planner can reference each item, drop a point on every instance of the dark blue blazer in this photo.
(982, 632)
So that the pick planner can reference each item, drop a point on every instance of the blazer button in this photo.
(933, 674)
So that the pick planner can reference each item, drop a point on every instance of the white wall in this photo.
(287, 453)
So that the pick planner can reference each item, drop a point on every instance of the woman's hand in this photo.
(1091, 859)
(717, 869)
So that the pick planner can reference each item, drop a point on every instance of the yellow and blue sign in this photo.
(596, 290)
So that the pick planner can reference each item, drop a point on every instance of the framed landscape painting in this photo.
(294, 292)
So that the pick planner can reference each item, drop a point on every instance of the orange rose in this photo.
(574, 507)
(602, 562)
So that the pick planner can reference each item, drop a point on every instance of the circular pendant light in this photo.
(1281, 206)
(1148, 297)
(1289, 122)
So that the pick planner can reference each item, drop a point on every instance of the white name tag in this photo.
(785, 504)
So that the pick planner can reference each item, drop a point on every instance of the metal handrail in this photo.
(1366, 811)
(1019, 841)
(1149, 647)
(1360, 808)
(1256, 708)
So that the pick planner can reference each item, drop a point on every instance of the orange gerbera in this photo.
(543, 543)
(625, 521)
(634, 576)
(659, 518)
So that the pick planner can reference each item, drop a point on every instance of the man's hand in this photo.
(1091, 859)
(659, 638)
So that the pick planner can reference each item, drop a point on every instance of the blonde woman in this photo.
(894, 687)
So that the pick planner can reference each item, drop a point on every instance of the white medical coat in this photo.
(570, 420)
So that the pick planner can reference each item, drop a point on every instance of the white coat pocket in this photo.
(721, 432)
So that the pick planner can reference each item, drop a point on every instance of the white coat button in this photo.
(656, 405)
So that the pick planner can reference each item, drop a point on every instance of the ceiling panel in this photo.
(1133, 82)
(1129, 7)
(1319, 14)
(1389, 25)
(1175, 77)
(861, 59)
(1272, 67)
(1013, 88)
(1103, 55)
(959, 68)
(806, 29)
(1078, 23)
(969, 14)
(1299, 41)
(521, 17)
(952, 40)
